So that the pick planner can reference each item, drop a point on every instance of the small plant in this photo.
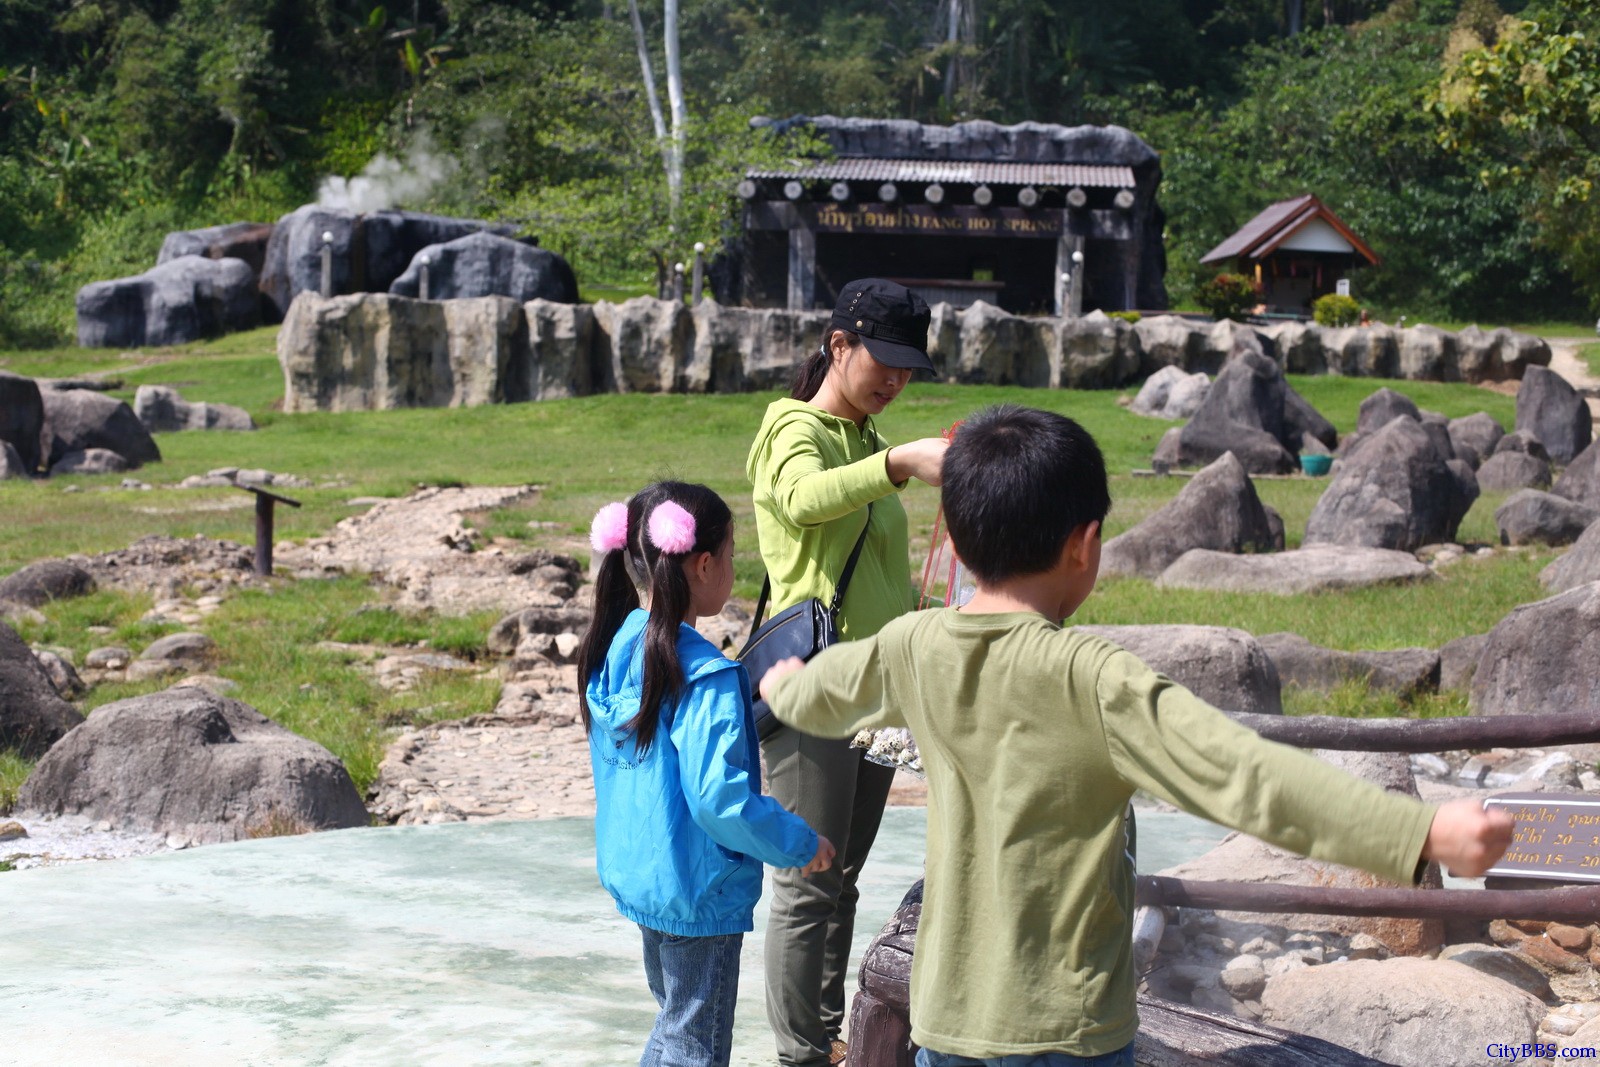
(1228, 296)
(1332, 309)
(1130, 317)
(14, 770)
(279, 824)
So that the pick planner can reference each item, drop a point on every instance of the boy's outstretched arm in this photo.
(838, 693)
(777, 673)
(1467, 838)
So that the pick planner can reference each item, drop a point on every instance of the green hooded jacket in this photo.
(814, 475)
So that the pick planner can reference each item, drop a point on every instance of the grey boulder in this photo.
(187, 761)
(89, 461)
(1394, 492)
(1505, 471)
(369, 251)
(11, 465)
(1581, 480)
(1458, 661)
(182, 300)
(1579, 565)
(1522, 441)
(51, 579)
(78, 419)
(1243, 413)
(486, 264)
(1170, 393)
(1554, 412)
(22, 420)
(1478, 433)
(32, 714)
(1404, 1011)
(162, 409)
(1532, 517)
(1541, 657)
(233, 240)
(1301, 570)
(1225, 667)
(1218, 509)
(1404, 671)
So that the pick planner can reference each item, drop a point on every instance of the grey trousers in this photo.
(840, 795)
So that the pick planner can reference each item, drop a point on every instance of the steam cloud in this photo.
(386, 182)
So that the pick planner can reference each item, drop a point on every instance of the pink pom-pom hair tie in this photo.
(609, 532)
(671, 528)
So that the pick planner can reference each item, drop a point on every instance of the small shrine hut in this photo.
(1296, 250)
(1032, 218)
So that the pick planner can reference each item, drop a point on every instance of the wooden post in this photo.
(264, 505)
(1576, 904)
(802, 268)
(1425, 735)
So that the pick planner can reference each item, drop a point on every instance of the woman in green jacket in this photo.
(816, 465)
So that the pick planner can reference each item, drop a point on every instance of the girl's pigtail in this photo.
(614, 597)
(663, 673)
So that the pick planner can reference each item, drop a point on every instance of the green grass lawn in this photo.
(1590, 354)
(588, 451)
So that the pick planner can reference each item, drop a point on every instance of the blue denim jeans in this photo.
(696, 982)
(1123, 1057)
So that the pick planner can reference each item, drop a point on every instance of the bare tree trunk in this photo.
(1295, 12)
(649, 73)
(680, 113)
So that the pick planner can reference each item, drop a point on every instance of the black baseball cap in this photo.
(890, 319)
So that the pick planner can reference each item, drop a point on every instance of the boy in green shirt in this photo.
(1034, 739)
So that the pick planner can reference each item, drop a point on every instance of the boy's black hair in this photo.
(660, 573)
(1017, 482)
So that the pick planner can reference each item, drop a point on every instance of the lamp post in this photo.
(422, 276)
(1075, 288)
(699, 272)
(327, 263)
(677, 282)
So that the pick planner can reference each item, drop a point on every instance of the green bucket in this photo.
(1315, 465)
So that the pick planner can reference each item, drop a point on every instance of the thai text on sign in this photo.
(1557, 835)
(960, 219)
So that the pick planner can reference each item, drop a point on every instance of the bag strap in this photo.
(839, 590)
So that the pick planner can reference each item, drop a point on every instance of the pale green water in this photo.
(486, 943)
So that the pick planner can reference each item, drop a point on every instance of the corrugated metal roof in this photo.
(1270, 221)
(917, 170)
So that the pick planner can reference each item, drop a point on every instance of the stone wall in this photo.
(376, 350)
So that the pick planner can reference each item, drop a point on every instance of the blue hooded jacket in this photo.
(681, 832)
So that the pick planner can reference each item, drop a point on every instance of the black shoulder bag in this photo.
(802, 630)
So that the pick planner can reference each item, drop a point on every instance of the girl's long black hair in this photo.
(809, 374)
(616, 592)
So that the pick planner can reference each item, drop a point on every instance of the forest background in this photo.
(1460, 138)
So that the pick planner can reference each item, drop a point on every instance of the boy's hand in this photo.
(1467, 838)
(923, 459)
(822, 860)
(776, 673)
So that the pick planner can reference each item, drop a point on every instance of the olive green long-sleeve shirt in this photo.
(813, 476)
(1034, 739)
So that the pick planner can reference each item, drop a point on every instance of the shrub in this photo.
(1130, 317)
(1228, 296)
(1335, 310)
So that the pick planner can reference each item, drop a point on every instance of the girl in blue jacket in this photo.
(681, 825)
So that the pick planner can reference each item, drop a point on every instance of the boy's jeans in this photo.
(696, 982)
(1123, 1057)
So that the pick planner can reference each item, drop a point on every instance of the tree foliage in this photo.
(122, 118)
(1525, 110)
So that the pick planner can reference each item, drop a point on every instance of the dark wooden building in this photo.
(1296, 250)
(1031, 217)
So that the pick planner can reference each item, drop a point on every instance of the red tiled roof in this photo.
(1274, 225)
